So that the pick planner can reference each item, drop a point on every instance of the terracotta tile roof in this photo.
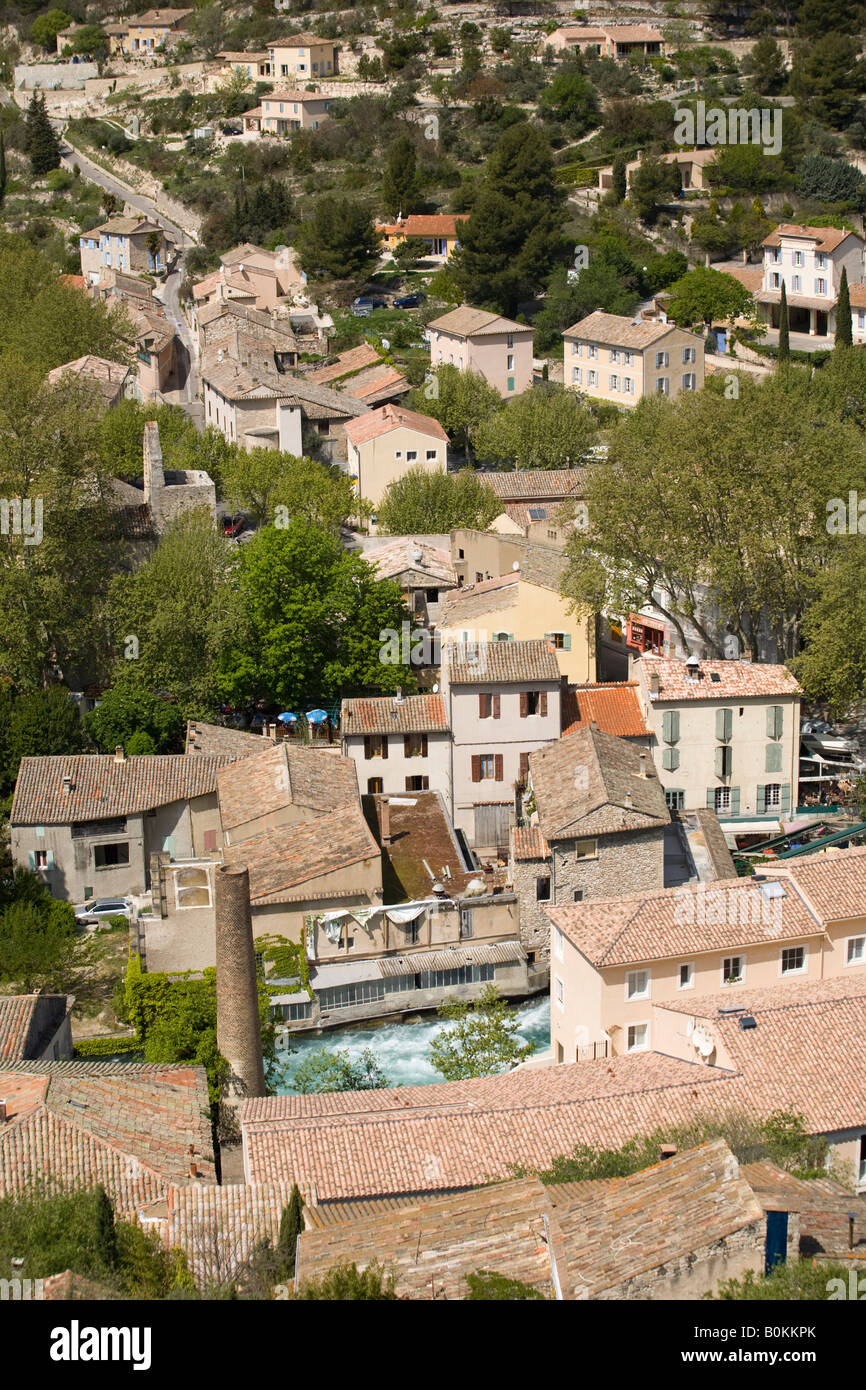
(28, 1022)
(109, 376)
(519, 512)
(281, 859)
(857, 295)
(826, 238)
(293, 94)
(431, 1247)
(736, 679)
(285, 775)
(411, 555)
(614, 707)
(365, 355)
(236, 382)
(428, 224)
(458, 1134)
(218, 1227)
(126, 226)
(618, 330)
(378, 384)
(102, 788)
(534, 484)
(420, 830)
(633, 33)
(206, 739)
(68, 1286)
(527, 842)
(685, 921)
(834, 885)
(375, 423)
(473, 601)
(592, 783)
(125, 1124)
(467, 322)
(501, 663)
(75, 282)
(423, 714)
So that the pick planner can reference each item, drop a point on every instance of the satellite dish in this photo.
(690, 1027)
(707, 1045)
(436, 688)
(516, 565)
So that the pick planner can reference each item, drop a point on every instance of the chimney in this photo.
(239, 1036)
(119, 755)
(643, 771)
(628, 801)
(154, 478)
(67, 783)
(667, 1151)
(654, 683)
(593, 724)
(385, 821)
(193, 1170)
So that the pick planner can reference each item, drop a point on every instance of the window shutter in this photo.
(31, 858)
(548, 636)
(711, 797)
(497, 766)
(497, 705)
(542, 704)
(671, 726)
(774, 721)
(735, 801)
(724, 724)
(423, 745)
(720, 761)
(761, 801)
(210, 840)
(524, 767)
(476, 767)
(49, 859)
(785, 797)
(524, 704)
(384, 745)
(407, 746)
(482, 713)
(511, 637)
(368, 746)
(773, 761)
(566, 641)
(670, 759)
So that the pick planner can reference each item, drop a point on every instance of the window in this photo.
(585, 849)
(411, 455)
(690, 382)
(821, 258)
(613, 383)
(724, 724)
(795, 282)
(591, 378)
(638, 1037)
(774, 721)
(376, 746)
(488, 706)
(467, 927)
(557, 640)
(776, 282)
(686, 975)
(41, 859)
(375, 785)
(722, 798)
(613, 355)
(576, 375)
(591, 350)
(431, 455)
(418, 783)
(670, 759)
(661, 359)
(773, 757)
(794, 960)
(488, 766)
(110, 856)
(415, 745)
(688, 354)
(625, 359)
(577, 895)
(558, 991)
(820, 286)
(542, 890)
(733, 970)
(558, 947)
(855, 950)
(576, 350)
(671, 726)
(510, 363)
(637, 984)
(798, 258)
(724, 760)
(510, 341)
(676, 799)
(532, 704)
(772, 795)
(662, 386)
(626, 385)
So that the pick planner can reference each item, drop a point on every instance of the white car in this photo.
(100, 909)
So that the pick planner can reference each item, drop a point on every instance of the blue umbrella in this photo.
(287, 718)
(317, 716)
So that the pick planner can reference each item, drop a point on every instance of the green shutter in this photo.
(785, 795)
(774, 721)
(670, 759)
(735, 801)
(49, 855)
(773, 760)
(761, 800)
(511, 636)
(724, 724)
(711, 797)
(720, 761)
(671, 726)
(566, 641)
(31, 858)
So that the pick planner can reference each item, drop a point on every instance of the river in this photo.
(402, 1047)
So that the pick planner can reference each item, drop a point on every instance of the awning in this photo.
(401, 916)
(498, 953)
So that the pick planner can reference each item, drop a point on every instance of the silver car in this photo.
(100, 909)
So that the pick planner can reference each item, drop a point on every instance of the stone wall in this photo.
(702, 1270)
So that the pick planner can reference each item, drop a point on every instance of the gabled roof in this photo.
(206, 739)
(408, 554)
(125, 226)
(833, 884)
(680, 922)
(501, 663)
(420, 714)
(239, 383)
(825, 238)
(527, 842)
(376, 423)
(28, 1022)
(282, 859)
(616, 330)
(526, 484)
(595, 784)
(102, 788)
(613, 706)
(345, 363)
(285, 775)
(717, 680)
(467, 322)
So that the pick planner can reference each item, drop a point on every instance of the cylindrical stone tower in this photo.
(239, 1034)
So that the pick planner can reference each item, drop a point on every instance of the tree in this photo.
(127, 711)
(422, 503)
(828, 78)
(38, 946)
(41, 143)
(832, 666)
(830, 180)
(261, 481)
(705, 296)
(344, 1283)
(400, 185)
(47, 26)
(459, 400)
(766, 67)
(570, 101)
(542, 428)
(794, 1281)
(619, 183)
(339, 241)
(654, 183)
(409, 251)
(601, 285)
(328, 1071)
(844, 330)
(36, 724)
(483, 1039)
(784, 343)
(487, 1285)
(291, 1226)
(311, 620)
(208, 29)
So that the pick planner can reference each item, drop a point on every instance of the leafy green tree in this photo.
(828, 79)
(744, 168)
(291, 1226)
(619, 183)
(409, 251)
(601, 285)
(260, 481)
(336, 1071)
(422, 503)
(766, 67)
(127, 712)
(37, 945)
(338, 241)
(844, 330)
(344, 1283)
(401, 191)
(830, 180)
(653, 183)
(208, 29)
(483, 1039)
(542, 428)
(794, 1281)
(784, 338)
(570, 100)
(36, 724)
(91, 40)
(705, 296)
(459, 400)
(310, 621)
(47, 26)
(41, 143)
(832, 666)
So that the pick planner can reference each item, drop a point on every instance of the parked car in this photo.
(366, 303)
(409, 301)
(233, 524)
(231, 130)
(99, 909)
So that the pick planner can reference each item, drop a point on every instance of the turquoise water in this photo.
(403, 1048)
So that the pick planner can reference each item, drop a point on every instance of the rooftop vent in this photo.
(67, 783)
(119, 755)
(772, 889)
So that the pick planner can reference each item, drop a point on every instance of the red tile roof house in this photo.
(89, 823)
(476, 340)
(398, 745)
(385, 444)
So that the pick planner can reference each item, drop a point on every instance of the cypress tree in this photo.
(41, 143)
(2, 166)
(105, 1231)
(291, 1225)
(619, 185)
(784, 346)
(844, 335)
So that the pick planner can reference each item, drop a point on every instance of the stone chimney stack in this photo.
(238, 1026)
(154, 478)
(385, 821)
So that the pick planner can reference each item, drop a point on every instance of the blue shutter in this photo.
(711, 797)
(735, 801)
(761, 800)
(785, 795)
(31, 858)
(773, 761)
(724, 724)
(670, 759)
(671, 726)
(566, 642)
(49, 854)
